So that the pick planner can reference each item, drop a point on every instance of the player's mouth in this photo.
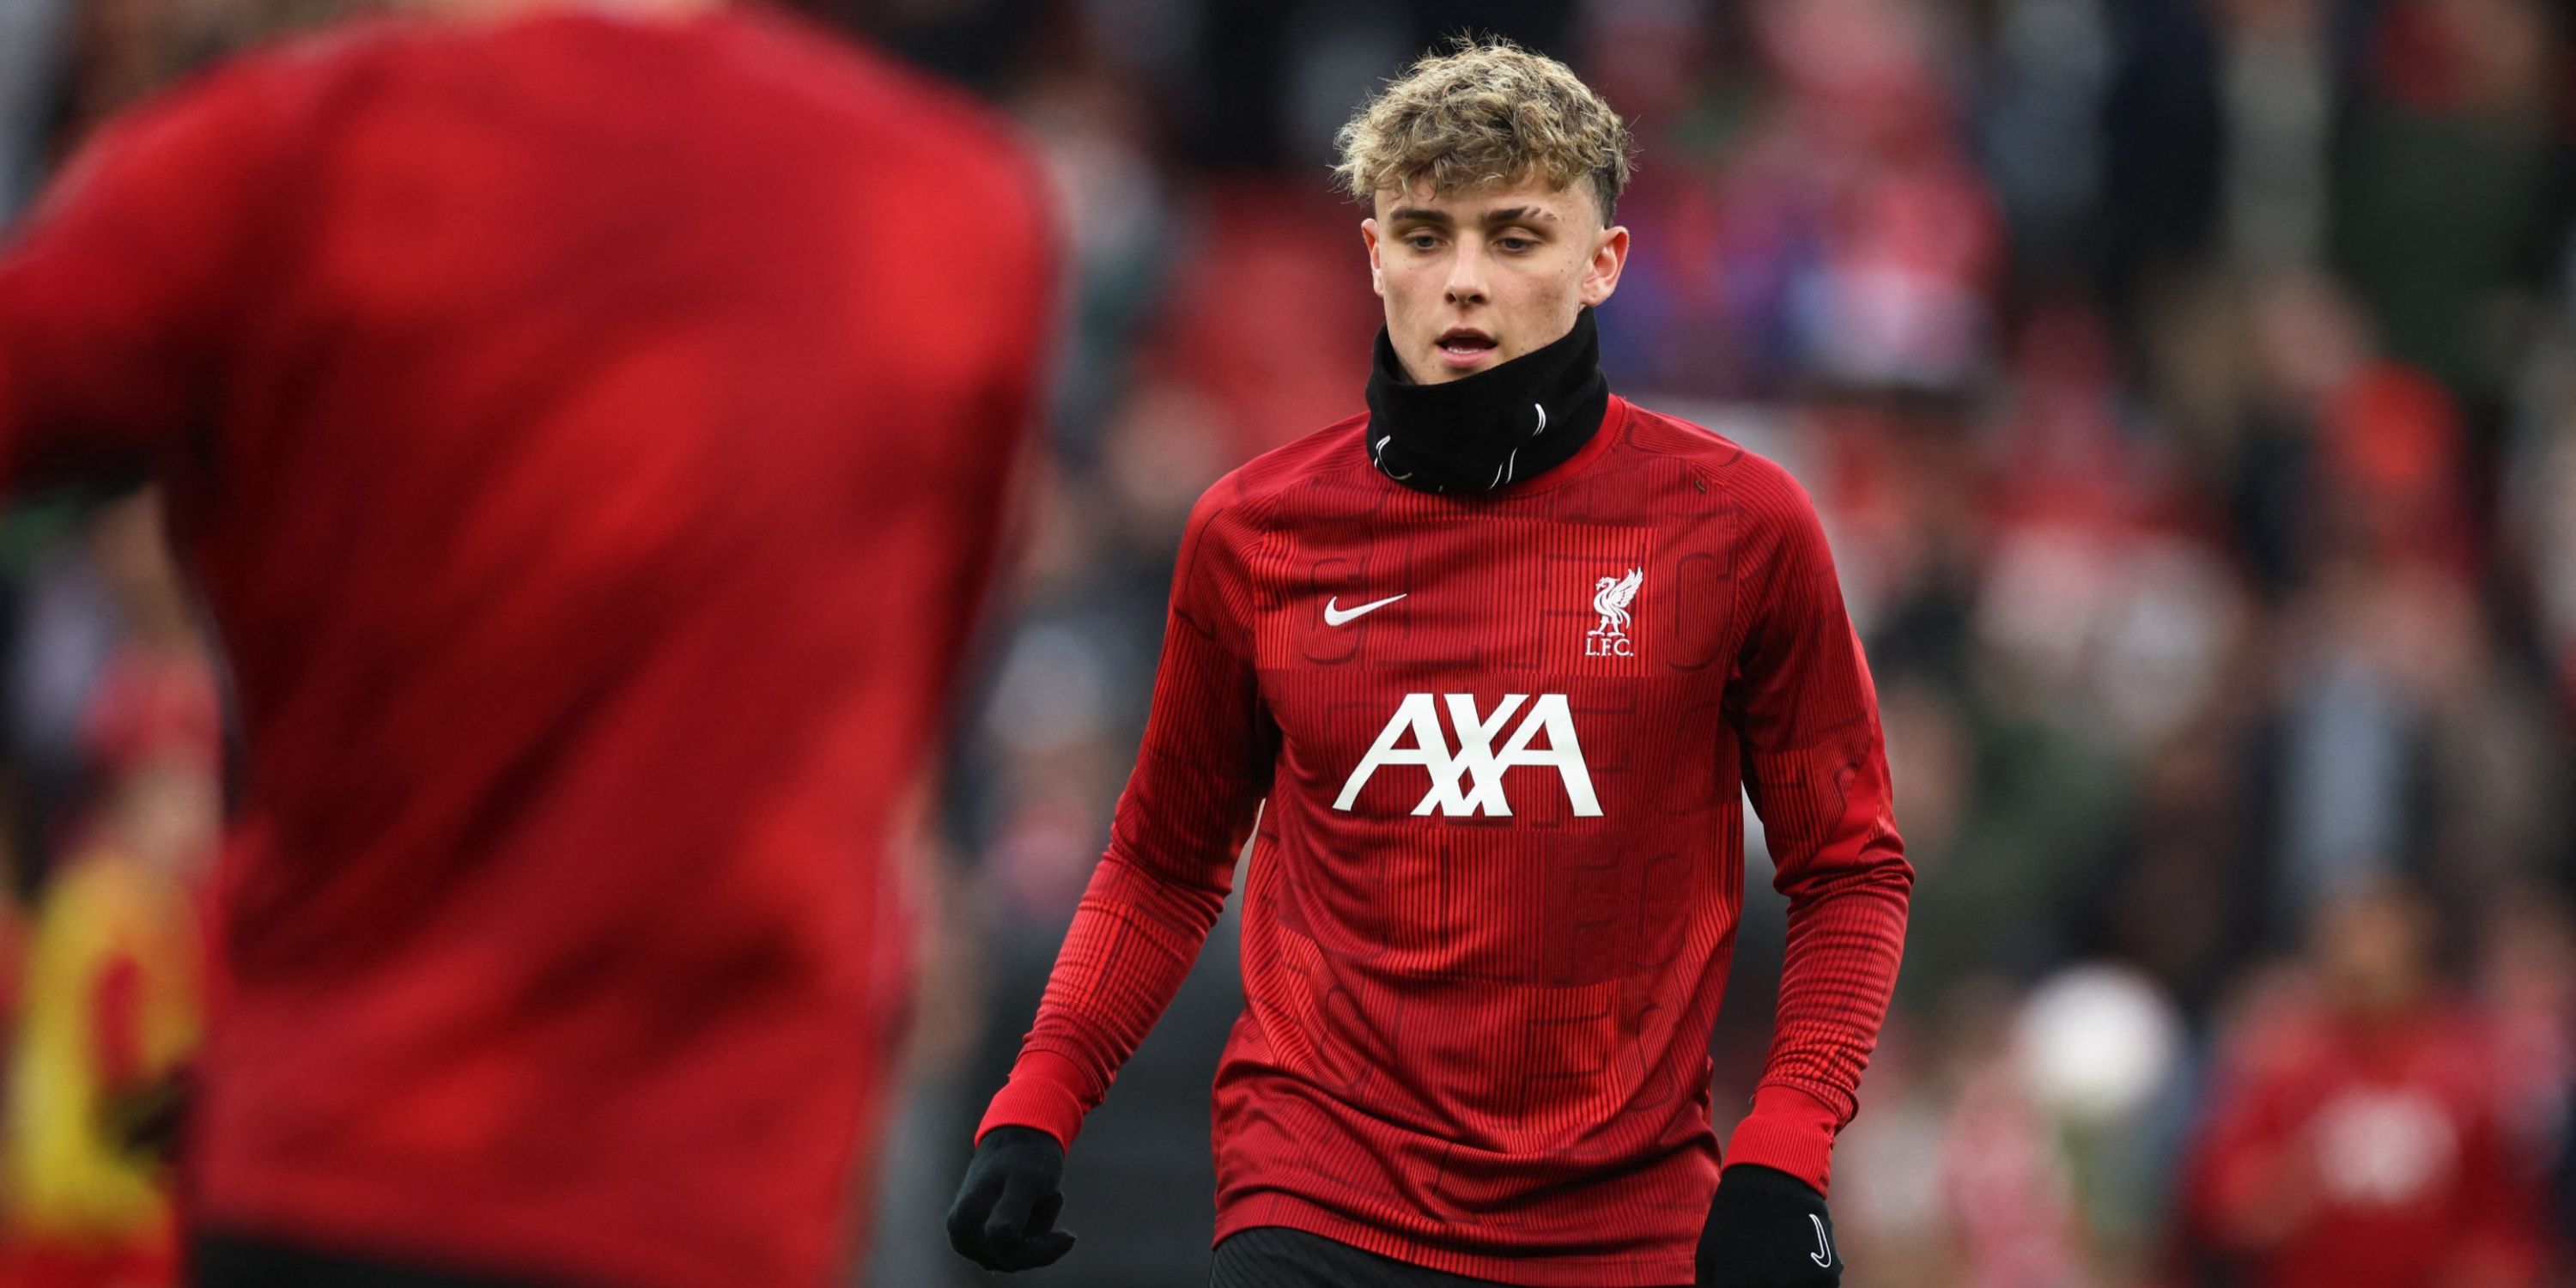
(1462, 348)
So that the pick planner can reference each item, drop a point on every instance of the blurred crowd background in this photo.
(2189, 387)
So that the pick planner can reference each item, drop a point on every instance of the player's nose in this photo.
(1466, 284)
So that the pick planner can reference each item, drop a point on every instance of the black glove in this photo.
(1004, 1216)
(1767, 1229)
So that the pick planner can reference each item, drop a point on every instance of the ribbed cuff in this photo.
(1042, 1093)
(1789, 1131)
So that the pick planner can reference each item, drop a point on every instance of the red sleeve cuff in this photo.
(1042, 1094)
(1789, 1131)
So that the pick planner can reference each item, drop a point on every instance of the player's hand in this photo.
(1004, 1216)
(1767, 1229)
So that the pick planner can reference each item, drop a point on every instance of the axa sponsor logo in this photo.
(1467, 773)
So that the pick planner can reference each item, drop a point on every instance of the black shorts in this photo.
(1274, 1257)
(226, 1261)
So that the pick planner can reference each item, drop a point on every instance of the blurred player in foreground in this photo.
(1503, 655)
(587, 426)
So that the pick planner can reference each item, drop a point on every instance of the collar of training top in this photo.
(1511, 422)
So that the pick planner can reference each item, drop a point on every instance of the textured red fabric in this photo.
(1479, 996)
(589, 435)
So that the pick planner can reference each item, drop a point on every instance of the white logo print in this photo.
(1824, 1253)
(1470, 779)
(1380, 457)
(1610, 598)
(1335, 616)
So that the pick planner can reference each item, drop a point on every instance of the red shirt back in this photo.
(589, 436)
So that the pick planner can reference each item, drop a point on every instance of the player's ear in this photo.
(1609, 259)
(1377, 262)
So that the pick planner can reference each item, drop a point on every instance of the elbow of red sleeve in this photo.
(1167, 885)
(1890, 870)
(1875, 865)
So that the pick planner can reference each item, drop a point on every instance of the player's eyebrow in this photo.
(1490, 219)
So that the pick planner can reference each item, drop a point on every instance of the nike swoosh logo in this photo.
(1335, 616)
(1824, 1253)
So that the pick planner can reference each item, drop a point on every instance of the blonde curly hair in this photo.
(1485, 112)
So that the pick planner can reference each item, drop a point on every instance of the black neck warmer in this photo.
(1513, 421)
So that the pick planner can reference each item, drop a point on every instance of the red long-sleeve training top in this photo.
(1504, 742)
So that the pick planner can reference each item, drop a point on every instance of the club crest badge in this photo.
(1610, 598)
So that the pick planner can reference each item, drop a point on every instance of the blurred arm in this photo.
(117, 293)
(1188, 807)
(1816, 769)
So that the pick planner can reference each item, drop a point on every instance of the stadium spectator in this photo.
(2354, 1134)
